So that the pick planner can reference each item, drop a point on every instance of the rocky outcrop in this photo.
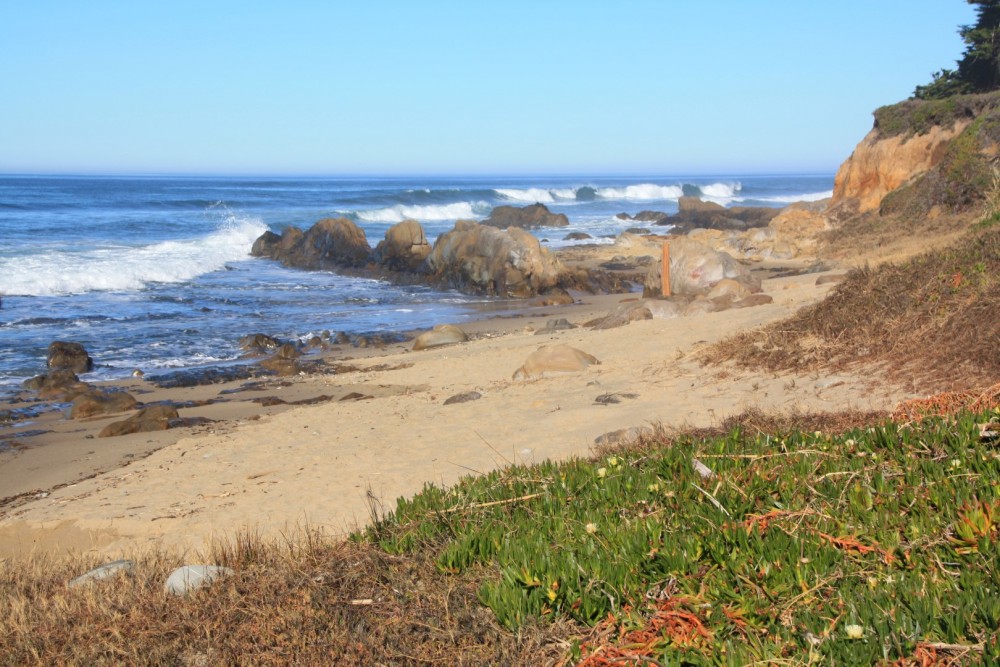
(329, 244)
(153, 418)
(70, 356)
(96, 402)
(404, 248)
(526, 217)
(880, 164)
(484, 260)
(693, 212)
(695, 268)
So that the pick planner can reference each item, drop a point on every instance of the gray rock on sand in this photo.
(561, 324)
(442, 334)
(102, 573)
(554, 359)
(464, 397)
(190, 578)
(624, 436)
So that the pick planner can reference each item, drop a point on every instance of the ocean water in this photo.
(155, 273)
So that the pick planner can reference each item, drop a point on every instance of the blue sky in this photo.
(669, 87)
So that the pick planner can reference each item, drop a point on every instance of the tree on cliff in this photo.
(979, 69)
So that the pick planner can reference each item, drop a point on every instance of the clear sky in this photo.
(418, 87)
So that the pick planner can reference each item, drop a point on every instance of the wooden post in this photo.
(665, 272)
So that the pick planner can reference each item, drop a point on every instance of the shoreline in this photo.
(272, 468)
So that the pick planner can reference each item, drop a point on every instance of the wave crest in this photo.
(400, 212)
(124, 268)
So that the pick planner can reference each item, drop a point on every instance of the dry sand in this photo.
(275, 470)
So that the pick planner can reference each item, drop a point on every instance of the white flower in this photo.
(602, 472)
(854, 631)
(613, 461)
(956, 463)
(591, 528)
(653, 488)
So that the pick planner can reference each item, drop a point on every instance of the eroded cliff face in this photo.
(880, 165)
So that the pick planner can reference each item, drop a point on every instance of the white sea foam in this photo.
(124, 268)
(400, 212)
(642, 192)
(790, 199)
(720, 190)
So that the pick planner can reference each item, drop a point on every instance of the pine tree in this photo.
(979, 69)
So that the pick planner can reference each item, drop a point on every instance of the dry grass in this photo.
(932, 323)
(310, 601)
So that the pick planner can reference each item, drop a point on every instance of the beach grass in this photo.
(839, 539)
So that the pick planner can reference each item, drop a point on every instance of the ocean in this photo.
(155, 273)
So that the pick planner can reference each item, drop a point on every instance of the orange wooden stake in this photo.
(665, 273)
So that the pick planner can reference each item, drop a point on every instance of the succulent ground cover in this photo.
(877, 544)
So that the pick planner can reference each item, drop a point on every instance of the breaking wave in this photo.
(126, 268)
(398, 213)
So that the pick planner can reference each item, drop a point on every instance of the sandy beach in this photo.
(277, 469)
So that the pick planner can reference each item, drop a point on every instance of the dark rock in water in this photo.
(259, 344)
(577, 236)
(404, 248)
(650, 216)
(641, 231)
(342, 338)
(71, 356)
(527, 217)
(464, 397)
(287, 351)
(328, 244)
(96, 402)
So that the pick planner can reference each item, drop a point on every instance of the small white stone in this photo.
(188, 578)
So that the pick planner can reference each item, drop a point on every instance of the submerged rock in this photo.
(526, 217)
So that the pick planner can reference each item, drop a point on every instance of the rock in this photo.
(561, 324)
(729, 288)
(754, 300)
(442, 334)
(404, 248)
(695, 269)
(611, 399)
(464, 397)
(577, 236)
(106, 571)
(484, 260)
(638, 231)
(650, 216)
(328, 244)
(622, 315)
(554, 359)
(259, 344)
(527, 217)
(96, 402)
(71, 356)
(694, 211)
(554, 297)
(287, 351)
(152, 418)
(190, 578)
(62, 384)
(623, 436)
(665, 309)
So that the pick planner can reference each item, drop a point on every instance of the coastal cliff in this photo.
(922, 156)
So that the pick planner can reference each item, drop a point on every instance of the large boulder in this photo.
(330, 243)
(695, 269)
(61, 384)
(554, 359)
(404, 248)
(695, 212)
(527, 217)
(485, 260)
(442, 334)
(71, 356)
